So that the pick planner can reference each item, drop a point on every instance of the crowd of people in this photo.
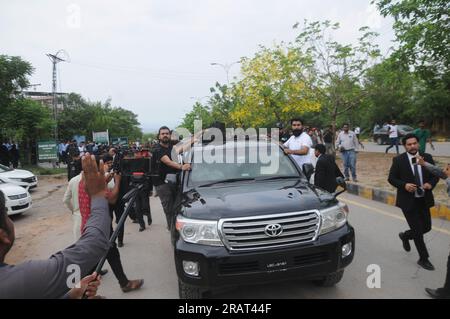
(9, 154)
(96, 189)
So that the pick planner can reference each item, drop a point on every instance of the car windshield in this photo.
(405, 128)
(4, 168)
(255, 162)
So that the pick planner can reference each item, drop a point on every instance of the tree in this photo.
(333, 70)
(13, 79)
(271, 89)
(80, 117)
(422, 32)
(199, 112)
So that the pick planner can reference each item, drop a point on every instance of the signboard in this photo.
(100, 137)
(79, 138)
(47, 151)
(122, 141)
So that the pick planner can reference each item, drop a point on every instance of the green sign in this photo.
(100, 137)
(122, 141)
(47, 151)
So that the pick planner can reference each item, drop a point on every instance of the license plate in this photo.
(22, 202)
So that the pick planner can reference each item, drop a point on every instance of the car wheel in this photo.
(380, 141)
(189, 292)
(330, 280)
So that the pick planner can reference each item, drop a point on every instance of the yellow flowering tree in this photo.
(272, 89)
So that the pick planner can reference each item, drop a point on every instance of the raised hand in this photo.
(94, 178)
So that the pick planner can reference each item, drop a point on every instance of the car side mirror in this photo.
(308, 170)
(172, 179)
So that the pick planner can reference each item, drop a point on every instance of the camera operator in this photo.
(49, 278)
(113, 256)
(162, 160)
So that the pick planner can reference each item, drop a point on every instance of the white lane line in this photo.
(441, 230)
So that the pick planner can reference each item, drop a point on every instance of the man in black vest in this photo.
(326, 170)
(414, 196)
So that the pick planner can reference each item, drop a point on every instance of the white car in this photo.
(18, 177)
(17, 199)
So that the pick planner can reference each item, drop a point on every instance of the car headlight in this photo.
(197, 231)
(333, 218)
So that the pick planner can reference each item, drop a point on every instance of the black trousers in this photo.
(114, 261)
(419, 221)
(142, 206)
(166, 194)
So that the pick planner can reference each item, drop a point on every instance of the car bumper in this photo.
(18, 206)
(220, 268)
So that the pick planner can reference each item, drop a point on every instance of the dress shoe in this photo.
(425, 264)
(141, 228)
(406, 245)
(120, 244)
(149, 222)
(133, 285)
(103, 272)
(439, 293)
(135, 221)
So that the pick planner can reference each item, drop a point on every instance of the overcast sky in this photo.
(152, 56)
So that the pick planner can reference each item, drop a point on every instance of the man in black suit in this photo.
(414, 196)
(326, 170)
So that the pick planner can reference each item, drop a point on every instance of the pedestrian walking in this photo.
(393, 136)
(414, 196)
(347, 144)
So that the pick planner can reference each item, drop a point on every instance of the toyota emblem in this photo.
(273, 230)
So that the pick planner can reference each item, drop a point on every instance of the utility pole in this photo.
(55, 58)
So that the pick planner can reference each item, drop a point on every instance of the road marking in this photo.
(441, 230)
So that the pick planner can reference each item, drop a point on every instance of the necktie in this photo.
(419, 190)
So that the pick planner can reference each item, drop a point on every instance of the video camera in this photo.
(130, 163)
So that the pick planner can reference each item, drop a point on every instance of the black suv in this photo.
(246, 222)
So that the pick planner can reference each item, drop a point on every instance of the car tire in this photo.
(330, 280)
(380, 141)
(189, 292)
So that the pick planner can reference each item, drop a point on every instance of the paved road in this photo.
(441, 148)
(149, 254)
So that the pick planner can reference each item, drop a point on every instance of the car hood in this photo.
(17, 173)
(11, 189)
(253, 199)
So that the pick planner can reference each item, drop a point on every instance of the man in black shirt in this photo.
(162, 157)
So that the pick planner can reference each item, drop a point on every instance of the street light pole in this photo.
(227, 68)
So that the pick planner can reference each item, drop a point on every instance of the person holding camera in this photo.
(112, 192)
(49, 278)
(414, 196)
(162, 160)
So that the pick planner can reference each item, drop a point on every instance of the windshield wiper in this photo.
(277, 177)
(230, 180)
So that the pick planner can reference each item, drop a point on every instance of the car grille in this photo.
(251, 233)
(29, 180)
(20, 207)
(14, 197)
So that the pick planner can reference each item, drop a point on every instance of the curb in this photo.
(440, 210)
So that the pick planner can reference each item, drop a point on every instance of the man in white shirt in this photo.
(347, 144)
(393, 136)
(299, 144)
(70, 199)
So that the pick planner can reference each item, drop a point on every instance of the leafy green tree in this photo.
(335, 71)
(422, 32)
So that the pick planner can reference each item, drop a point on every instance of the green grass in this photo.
(36, 170)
